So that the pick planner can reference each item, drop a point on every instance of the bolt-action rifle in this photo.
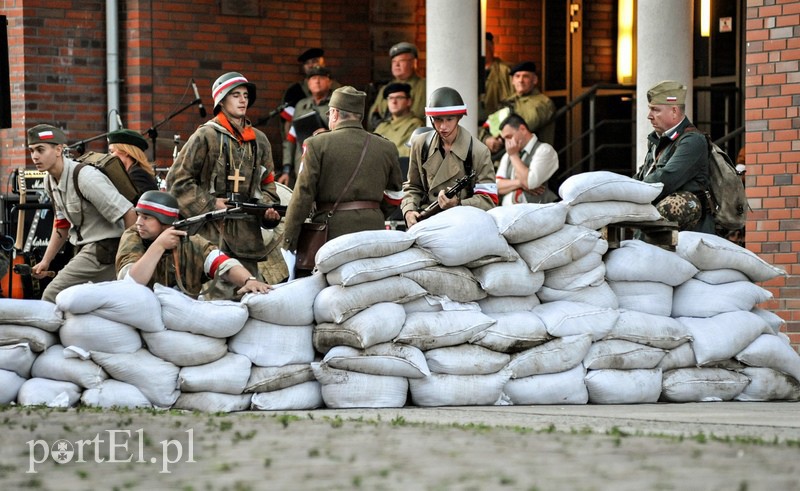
(453, 190)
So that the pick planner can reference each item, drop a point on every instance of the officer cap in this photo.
(128, 137)
(318, 70)
(348, 99)
(667, 92)
(682, 207)
(404, 47)
(163, 206)
(445, 101)
(45, 133)
(396, 87)
(227, 83)
(310, 54)
(525, 66)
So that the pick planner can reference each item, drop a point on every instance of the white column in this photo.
(452, 52)
(664, 51)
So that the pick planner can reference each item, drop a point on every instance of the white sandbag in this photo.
(508, 278)
(29, 312)
(95, 333)
(466, 359)
(659, 331)
(339, 303)
(624, 386)
(702, 385)
(636, 260)
(378, 323)
(10, 383)
(428, 303)
(459, 235)
(565, 387)
(721, 337)
(214, 318)
(53, 364)
(377, 268)
(123, 301)
(512, 332)
(287, 304)
(650, 297)
(305, 395)
(680, 357)
(428, 330)
(767, 384)
(771, 351)
(50, 393)
(569, 243)
(498, 305)
(114, 394)
(528, 221)
(570, 318)
(509, 255)
(698, 299)
(389, 359)
(586, 271)
(719, 276)
(17, 358)
(622, 355)
(597, 215)
(268, 379)
(38, 339)
(607, 186)
(774, 321)
(455, 282)
(185, 349)
(228, 375)
(458, 390)
(156, 378)
(211, 402)
(558, 355)
(600, 295)
(360, 245)
(273, 345)
(708, 251)
(345, 389)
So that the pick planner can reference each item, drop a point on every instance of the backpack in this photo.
(113, 168)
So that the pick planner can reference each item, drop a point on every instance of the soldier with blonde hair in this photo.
(129, 147)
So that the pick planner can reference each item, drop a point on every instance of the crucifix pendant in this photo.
(236, 178)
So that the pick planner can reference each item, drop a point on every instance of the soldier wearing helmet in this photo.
(147, 252)
(228, 159)
(404, 70)
(440, 157)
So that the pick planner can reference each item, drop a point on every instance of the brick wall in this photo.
(772, 98)
(600, 42)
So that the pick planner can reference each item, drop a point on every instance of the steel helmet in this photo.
(445, 101)
(228, 82)
(159, 204)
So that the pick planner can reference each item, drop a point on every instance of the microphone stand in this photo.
(152, 132)
(272, 114)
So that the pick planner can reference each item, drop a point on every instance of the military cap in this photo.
(667, 92)
(310, 54)
(128, 137)
(404, 47)
(525, 66)
(45, 133)
(318, 70)
(396, 87)
(348, 99)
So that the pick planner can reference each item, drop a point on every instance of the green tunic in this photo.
(398, 131)
(536, 109)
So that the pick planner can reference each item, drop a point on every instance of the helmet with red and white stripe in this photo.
(445, 101)
(227, 83)
(160, 205)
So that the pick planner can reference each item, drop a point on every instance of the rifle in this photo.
(453, 190)
(238, 211)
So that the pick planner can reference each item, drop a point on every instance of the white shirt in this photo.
(543, 164)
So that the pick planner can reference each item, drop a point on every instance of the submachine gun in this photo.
(237, 211)
(453, 190)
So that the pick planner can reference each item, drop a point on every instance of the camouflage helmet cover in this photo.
(226, 83)
(160, 205)
(682, 207)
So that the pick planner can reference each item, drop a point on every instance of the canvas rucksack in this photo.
(113, 168)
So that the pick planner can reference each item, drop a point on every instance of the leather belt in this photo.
(350, 205)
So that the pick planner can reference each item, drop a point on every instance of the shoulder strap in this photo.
(352, 177)
(468, 168)
(426, 145)
(75, 173)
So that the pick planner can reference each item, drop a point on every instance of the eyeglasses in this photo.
(397, 98)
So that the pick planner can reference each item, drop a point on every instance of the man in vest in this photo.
(526, 166)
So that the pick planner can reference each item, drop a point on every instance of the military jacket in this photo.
(329, 160)
(202, 172)
(497, 87)
(418, 94)
(398, 131)
(536, 109)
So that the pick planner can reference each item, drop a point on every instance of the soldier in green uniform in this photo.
(404, 70)
(451, 153)
(497, 84)
(329, 161)
(318, 80)
(677, 156)
(399, 129)
(227, 158)
(152, 251)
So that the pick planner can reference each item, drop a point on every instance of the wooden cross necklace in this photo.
(236, 178)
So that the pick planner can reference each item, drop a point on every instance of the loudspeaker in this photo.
(9, 219)
(5, 82)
